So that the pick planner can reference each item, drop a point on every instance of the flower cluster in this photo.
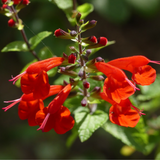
(116, 90)
(36, 88)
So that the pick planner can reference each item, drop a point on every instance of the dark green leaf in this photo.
(15, 46)
(87, 123)
(34, 41)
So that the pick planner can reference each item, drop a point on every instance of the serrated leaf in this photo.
(87, 123)
(85, 9)
(34, 41)
(15, 46)
(136, 137)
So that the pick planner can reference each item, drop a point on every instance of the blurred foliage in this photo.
(18, 140)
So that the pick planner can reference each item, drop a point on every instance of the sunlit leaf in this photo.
(34, 41)
(87, 123)
(15, 46)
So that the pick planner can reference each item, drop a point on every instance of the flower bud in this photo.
(62, 34)
(16, 1)
(102, 41)
(85, 58)
(97, 78)
(86, 84)
(89, 25)
(25, 2)
(96, 93)
(72, 58)
(72, 48)
(88, 52)
(65, 83)
(11, 23)
(4, 6)
(78, 16)
(99, 59)
(73, 33)
(69, 73)
(4, 1)
(84, 102)
(65, 56)
(90, 40)
(81, 21)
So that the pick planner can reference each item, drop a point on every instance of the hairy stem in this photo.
(24, 35)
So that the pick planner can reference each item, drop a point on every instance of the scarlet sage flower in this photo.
(38, 84)
(45, 117)
(142, 73)
(16, 1)
(122, 113)
(54, 89)
(37, 67)
(116, 86)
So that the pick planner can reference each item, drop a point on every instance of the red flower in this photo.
(55, 109)
(72, 58)
(122, 113)
(62, 34)
(38, 84)
(54, 89)
(117, 86)
(141, 73)
(4, 1)
(37, 67)
(11, 23)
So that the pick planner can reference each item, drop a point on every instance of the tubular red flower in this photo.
(11, 23)
(36, 83)
(122, 114)
(55, 105)
(137, 65)
(16, 1)
(37, 67)
(61, 121)
(54, 89)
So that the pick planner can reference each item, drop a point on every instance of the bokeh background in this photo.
(133, 24)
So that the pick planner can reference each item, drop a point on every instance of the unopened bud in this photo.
(81, 21)
(4, 1)
(88, 52)
(72, 58)
(85, 58)
(69, 73)
(25, 2)
(96, 93)
(89, 25)
(65, 56)
(16, 1)
(84, 102)
(11, 23)
(86, 84)
(99, 59)
(80, 74)
(90, 40)
(62, 34)
(65, 83)
(62, 69)
(96, 89)
(73, 33)
(102, 41)
(97, 78)
(72, 48)
(4, 6)
(78, 16)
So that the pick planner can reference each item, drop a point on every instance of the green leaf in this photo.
(15, 46)
(136, 137)
(45, 53)
(34, 41)
(87, 123)
(151, 91)
(154, 123)
(85, 9)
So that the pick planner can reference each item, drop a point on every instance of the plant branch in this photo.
(24, 36)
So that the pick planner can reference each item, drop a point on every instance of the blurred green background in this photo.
(133, 24)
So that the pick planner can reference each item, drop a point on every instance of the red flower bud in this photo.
(102, 41)
(16, 1)
(4, 1)
(86, 84)
(25, 2)
(93, 39)
(72, 58)
(11, 23)
(4, 6)
(84, 102)
(62, 34)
